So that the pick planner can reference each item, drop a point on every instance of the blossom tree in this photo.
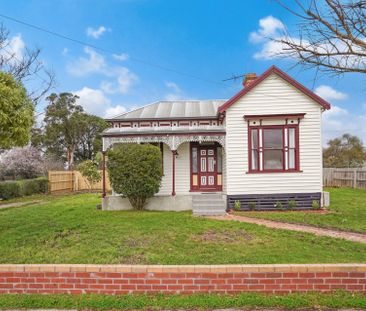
(26, 162)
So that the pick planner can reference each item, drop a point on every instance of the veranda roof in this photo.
(173, 109)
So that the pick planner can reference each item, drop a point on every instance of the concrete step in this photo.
(209, 213)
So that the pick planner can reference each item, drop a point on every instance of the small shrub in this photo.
(135, 171)
(89, 170)
(278, 205)
(291, 204)
(252, 205)
(237, 205)
(315, 204)
(10, 190)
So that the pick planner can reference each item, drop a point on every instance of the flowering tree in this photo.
(25, 162)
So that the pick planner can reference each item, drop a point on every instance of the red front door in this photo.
(207, 172)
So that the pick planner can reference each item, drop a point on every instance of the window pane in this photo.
(291, 159)
(291, 137)
(194, 160)
(272, 138)
(272, 159)
(254, 139)
(254, 159)
(219, 160)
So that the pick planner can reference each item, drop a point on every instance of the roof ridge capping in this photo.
(283, 75)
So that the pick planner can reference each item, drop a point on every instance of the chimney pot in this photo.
(249, 78)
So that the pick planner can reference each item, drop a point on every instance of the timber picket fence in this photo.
(345, 177)
(72, 181)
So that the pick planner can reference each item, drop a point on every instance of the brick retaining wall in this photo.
(124, 279)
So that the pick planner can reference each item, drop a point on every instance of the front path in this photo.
(350, 236)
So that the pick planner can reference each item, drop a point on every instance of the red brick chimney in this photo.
(249, 78)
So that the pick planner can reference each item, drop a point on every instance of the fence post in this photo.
(354, 178)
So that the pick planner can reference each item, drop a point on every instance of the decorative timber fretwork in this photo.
(173, 141)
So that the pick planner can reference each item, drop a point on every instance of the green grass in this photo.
(69, 229)
(347, 212)
(207, 301)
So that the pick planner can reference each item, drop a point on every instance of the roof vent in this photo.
(249, 78)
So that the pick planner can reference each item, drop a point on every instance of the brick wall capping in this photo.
(357, 267)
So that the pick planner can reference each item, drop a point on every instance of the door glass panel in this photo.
(210, 152)
(211, 164)
(273, 159)
(203, 164)
(203, 180)
(194, 160)
(211, 180)
(272, 138)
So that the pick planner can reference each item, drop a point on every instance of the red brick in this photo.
(104, 281)
(240, 287)
(169, 281)
(152, 281)
(267, 281)
(122, 281)
(201, 281)
(189, 281)
(175, 287)
(307, 275)
(35, 285)
(299, 281)
(315, 281)
(355, 287)
(273, 275)
(321, 286)
(255, 286)
(177, 275)
(332, 281)
(349, 281)
(220, 281)
(136, 281)
(323, 274)
(82, 275)
(290, 274)
(357, 275)
(88, 281)
(283, 281)
(340, 274)
(250, 281)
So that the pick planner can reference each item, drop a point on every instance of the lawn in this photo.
(316, 301)
(346, 212)
(69, 229)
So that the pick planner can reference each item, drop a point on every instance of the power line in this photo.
(134, 59)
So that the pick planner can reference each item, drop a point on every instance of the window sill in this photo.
(274, 172)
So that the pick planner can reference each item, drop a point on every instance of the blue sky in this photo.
(209, 39)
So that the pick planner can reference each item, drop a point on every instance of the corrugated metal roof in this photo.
(173, 109)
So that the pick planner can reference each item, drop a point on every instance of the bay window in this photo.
(273, 148)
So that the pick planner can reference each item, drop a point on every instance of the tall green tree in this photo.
(345, 151)
(16, 113)
(90, 141)
(62, 131)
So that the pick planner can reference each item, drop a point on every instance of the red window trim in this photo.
(284, 149)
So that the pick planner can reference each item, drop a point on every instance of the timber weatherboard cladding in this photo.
(273, 96)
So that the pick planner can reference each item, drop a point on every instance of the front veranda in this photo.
(192, 165)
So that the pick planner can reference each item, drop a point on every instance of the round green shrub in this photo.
(135, 171)
(10, 190)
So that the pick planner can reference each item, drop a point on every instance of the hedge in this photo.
(19, 188)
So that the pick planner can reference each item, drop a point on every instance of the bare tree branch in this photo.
(332, 35)
(25, 67)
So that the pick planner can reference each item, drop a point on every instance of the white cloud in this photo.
(114, 111)
(364, 105)
(65, 51)
(96, 102)
(96, 33)
(121, 57)
(338, 121)
(175, 92)
(125, 79)
(93, 100)
(268, 26)
(13, 49)
(328, 93)
(95, 63)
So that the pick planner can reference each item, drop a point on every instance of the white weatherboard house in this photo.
(261, 147)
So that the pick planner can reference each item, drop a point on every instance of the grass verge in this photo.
(205, 301)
